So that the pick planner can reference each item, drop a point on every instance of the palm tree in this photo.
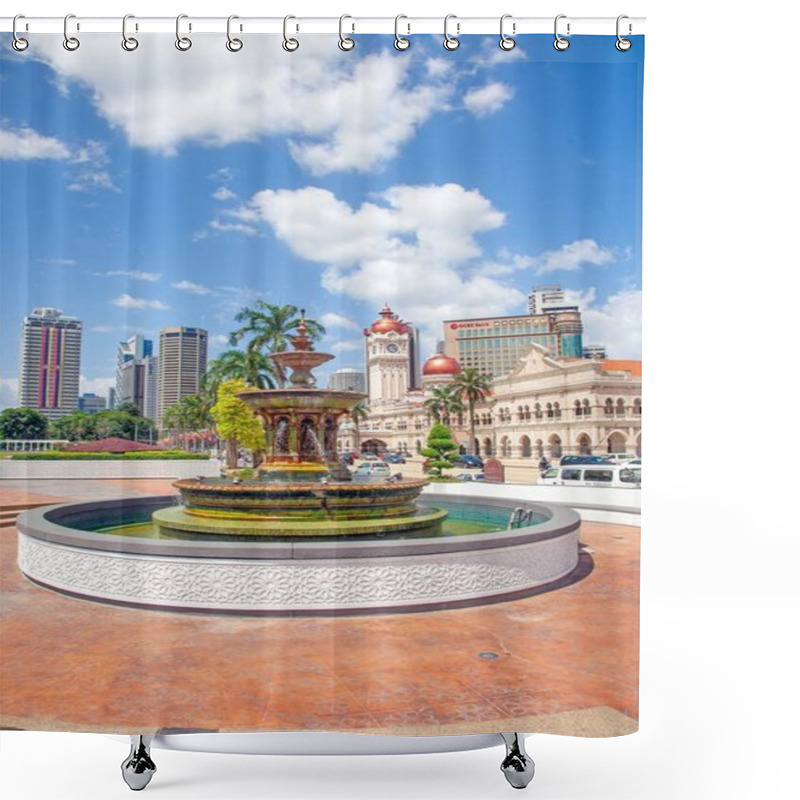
(472, 386)
(251, 366)
(358, 414)
(190, 413)
(444, 400)
(270, 328)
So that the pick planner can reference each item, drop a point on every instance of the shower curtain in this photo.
(460, 229)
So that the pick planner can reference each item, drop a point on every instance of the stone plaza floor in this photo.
(565, 661)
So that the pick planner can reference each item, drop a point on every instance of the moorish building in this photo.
(544, 406)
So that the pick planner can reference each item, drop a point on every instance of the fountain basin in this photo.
(399, 572)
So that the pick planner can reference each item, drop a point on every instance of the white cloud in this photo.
(346, 345)
(62, 262)
(223, 193)
(412, 244)
(126, 301)
(132, 274)
(487, 99)
(574, 255)
(98, 386)
(229, 227)
(9, 392)
(192, 288)
(335, 113)
(218, 340)
(333, 320)
(616, 323)
(23, 144)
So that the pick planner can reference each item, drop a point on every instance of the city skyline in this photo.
(138, 229)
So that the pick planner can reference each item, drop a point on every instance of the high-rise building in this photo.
(597, 352)
(130, 382)
(91, 403)
(182, 354)
(112, 397)
(494, 345)
(150, 387)
(391, 350)
(50, 362)
(347, 379)
(544, 299)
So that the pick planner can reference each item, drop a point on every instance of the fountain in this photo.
(303, 537)
(301, 488)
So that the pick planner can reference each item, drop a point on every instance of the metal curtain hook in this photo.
(400, 42)
(506, 42)
(128, 42)
(19, 44)
(345, 42)
(289, 45)
(234, 45)
(622, 44)
(560, 43)
(450, 42)
(70, 42)
(181, 42)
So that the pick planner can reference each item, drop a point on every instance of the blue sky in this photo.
(154, 188)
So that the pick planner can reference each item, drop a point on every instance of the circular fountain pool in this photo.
(113, 552)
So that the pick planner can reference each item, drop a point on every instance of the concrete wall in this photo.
(60, 470)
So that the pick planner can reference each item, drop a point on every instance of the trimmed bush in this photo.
(143, 455)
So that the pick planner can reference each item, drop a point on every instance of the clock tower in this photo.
(391, 356)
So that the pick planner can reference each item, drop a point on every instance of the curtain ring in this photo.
(400, 42)
(561, 43)
(70, 42)
(345, 42)
(233, 44)
(183, 43)
(506, 42)
(450, 42)
(128, 42)
(622, 44)
(289, 44)
(19, 44)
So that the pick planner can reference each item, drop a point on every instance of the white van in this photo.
(615, 475)
(372, 469)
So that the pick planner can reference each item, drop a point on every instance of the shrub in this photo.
(143, 455)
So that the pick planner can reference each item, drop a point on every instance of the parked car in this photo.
(369, 457)
(567, 460)
(634, 462)
(470, 476)
(347, 458)
(470, 462)
(619, 458)
(613, 475)
(372, 469)
(394, 458)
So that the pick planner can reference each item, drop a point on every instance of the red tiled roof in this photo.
(612, 364)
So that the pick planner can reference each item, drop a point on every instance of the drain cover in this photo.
(488, 655)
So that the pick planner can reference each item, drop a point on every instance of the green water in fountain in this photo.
(463, 519)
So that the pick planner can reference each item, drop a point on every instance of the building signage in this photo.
(455, 325)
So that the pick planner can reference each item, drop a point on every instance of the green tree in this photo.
(128, 408)
(472, 386)
(444, 401)
(22, 423)
(358, 414)
(122, 424)
(440, 449)
(270, 329)
(251, 366)
(236, 423)
(75, 427)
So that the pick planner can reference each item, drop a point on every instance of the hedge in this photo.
(141, 455)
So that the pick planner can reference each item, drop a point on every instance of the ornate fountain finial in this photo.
(302, 341)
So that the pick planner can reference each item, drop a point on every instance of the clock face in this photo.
(392, 348)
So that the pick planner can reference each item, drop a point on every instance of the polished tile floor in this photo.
(563, 662)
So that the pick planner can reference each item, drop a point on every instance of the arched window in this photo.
(556, 410)
(525, 446)
(539, 448)
(584, 445)
(537, 411)
(617, 443)
(609, 407)
(620, 407)
(554, 443)
(487, 446)
(637, 407)
(578, 408)
(505, 447)
(549, 411)
(587, 408)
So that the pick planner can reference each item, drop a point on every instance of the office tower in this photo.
(50, 362)
(182, 354)
(347, 379)
(91, 403)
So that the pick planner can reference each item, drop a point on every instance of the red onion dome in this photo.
(387, 322)
(440, 364)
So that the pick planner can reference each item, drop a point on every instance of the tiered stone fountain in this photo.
(301, 488)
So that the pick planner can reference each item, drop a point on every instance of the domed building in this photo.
(543, 405)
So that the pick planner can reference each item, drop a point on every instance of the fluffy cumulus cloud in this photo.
(335, 113)
(98, 386)
(9, 392)
(572, 256)
(127, 301)
(192, 288)
(23, 144)
(487, 99)
(333, 320)
(131, 274)
(615, 322)
(414, 244)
